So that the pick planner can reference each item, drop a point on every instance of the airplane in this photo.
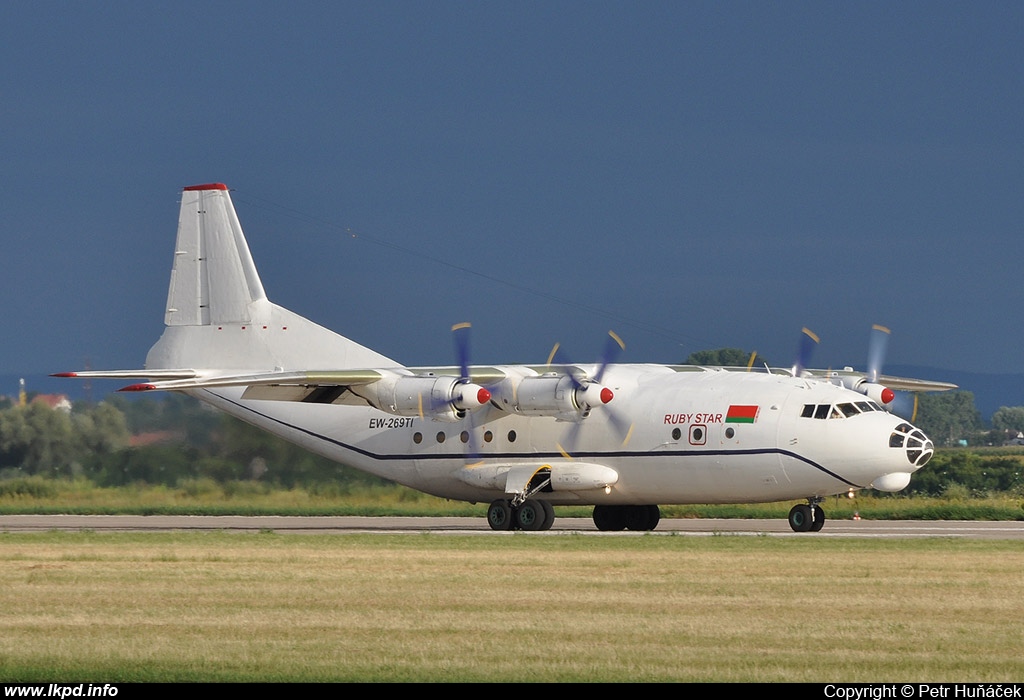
(623, 438)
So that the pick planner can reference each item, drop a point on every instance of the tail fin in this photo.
(219, 318)
(214, 279)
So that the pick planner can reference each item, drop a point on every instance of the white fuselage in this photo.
(693, 437)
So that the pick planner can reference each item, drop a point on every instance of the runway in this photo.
(341, 525)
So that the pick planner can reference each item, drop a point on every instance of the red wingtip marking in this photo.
(606, 395)
(138, 387)
(210, 186)
(888, 395)
(65, 374)
(483, 396)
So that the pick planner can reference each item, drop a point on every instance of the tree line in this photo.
(164, 440)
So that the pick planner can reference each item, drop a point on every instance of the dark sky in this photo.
(692, 175)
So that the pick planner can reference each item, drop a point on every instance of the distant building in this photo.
(58, 402)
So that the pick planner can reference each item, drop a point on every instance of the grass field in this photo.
(90, 607)
(35, 495)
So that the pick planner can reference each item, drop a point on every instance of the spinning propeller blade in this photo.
(460, 338)
(877, 345)
(807, 342)
(591, 392)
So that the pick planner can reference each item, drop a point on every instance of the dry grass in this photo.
(217, 606)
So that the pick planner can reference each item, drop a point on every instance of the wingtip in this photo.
(64, 374)
(138, 387)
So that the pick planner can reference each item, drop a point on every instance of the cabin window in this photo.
(848, 409)
(440, 436)
(417, 437)
(488, 436)
(821, 412)
(511, 436)
(698, 435)
(808, 411)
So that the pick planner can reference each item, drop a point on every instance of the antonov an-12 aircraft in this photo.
(624, 438)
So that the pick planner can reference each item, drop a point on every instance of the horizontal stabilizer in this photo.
(301, 378)
(162, 374)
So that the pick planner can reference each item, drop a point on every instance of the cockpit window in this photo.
(848, 409)
(843, 410)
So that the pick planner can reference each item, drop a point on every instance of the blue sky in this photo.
(692, 175)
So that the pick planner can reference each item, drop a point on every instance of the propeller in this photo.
(905, 405)
(460, 339)
(591, 392)
(807, 342)
(441, 397)
(877, 344)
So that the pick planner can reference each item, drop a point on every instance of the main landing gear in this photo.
(531, 515)
(535, 515)
(807, 517)
(626, 517)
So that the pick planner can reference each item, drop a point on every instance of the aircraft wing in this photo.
(853, 377)
(895, 383)
(311, 386)
(440, 392)
(907, 384)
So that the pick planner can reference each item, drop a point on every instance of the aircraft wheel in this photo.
(499, 515)
(549, 515)
(642, 518)
(609, 518)
(530, 516)
(800, 518)
(653, 517)
(819, 519)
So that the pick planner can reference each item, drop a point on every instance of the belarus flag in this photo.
(741, 414)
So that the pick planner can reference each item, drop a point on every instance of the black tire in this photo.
(549, 515)
(653, 517)
(641, 518)
(530, 516)
(499, 515)
(818, 515)
(800, 518)
(609, 518)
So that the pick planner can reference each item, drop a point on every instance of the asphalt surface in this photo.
(478, 526)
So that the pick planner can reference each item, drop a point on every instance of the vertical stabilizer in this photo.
(219, 318)
(214, 279)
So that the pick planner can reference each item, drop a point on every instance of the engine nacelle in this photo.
(552, 394)
(876, 392)
(439, 398)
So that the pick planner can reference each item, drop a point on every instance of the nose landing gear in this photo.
(807, 517)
